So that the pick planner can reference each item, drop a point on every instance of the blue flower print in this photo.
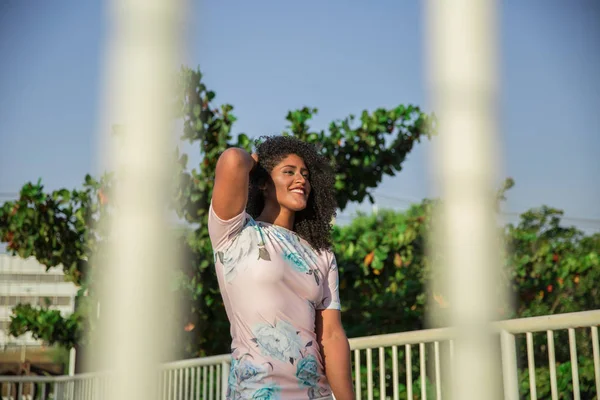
(244, 375)
(318, 392)
(281, 341)
(283, 235)
(296, 261)
(233, 380)
(307, 371)
(245, 245)
(245, 371)
(270, 392)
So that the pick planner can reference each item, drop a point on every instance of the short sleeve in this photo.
(331, 285)
(221, 231)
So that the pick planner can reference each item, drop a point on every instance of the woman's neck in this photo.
(277, 216)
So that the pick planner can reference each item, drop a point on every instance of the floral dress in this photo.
(272, 282)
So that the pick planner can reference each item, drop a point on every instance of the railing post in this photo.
(55, 391)
(225, 365)
(509, 366)
(72, 360)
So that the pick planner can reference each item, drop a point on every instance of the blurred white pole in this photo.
(72, 359)
(462, 63)
(143, 53)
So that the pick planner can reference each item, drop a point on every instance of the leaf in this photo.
(441, 301)
(189, 327)
(369, 258)
(263, 254)
(397, 260)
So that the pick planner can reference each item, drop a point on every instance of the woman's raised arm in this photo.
(232, 176)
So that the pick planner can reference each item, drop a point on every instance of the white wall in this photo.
(27, 280)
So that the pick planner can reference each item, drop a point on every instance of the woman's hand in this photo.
(255, 158)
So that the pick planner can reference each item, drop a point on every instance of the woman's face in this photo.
(289, 186)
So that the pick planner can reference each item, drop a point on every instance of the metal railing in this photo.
(395, 366)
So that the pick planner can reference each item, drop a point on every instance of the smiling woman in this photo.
(289, 166)
(270, 226)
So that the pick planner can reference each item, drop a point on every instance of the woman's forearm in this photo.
(336, 356)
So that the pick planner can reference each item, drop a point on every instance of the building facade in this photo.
(27, 282)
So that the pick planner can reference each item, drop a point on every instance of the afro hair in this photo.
(313, 223)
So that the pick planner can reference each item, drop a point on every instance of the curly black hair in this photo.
(314, 222)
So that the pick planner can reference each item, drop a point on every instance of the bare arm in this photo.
(232, 176)
(336, 353)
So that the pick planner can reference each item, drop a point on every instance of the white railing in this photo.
(395, 366)
(411, 363)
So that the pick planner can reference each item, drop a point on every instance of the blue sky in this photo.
(266, 57)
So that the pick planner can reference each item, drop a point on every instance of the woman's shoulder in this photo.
(327, 257)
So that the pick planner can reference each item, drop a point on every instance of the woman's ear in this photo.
(265, 185)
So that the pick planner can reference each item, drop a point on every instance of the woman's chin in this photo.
(296, 206)
(300, 208)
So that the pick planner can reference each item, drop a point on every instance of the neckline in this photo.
(280, 227)
(300, 238)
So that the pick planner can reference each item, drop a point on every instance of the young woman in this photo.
(270, 226)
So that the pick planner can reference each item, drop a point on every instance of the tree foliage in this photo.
(56, 228)
(383, 137)
(384, 270)
(552, 269)
(48, 324)
(61, 228)
(555, 267)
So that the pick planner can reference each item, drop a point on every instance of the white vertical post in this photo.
(144, 39)
(72, 360)
(509, 366)
(461, 44)
(224, 379)
(531, 366)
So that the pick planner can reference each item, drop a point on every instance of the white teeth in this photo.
(298, 191)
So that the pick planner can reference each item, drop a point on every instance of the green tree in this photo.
(384, 271)
(60, 228)
(552, 269)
